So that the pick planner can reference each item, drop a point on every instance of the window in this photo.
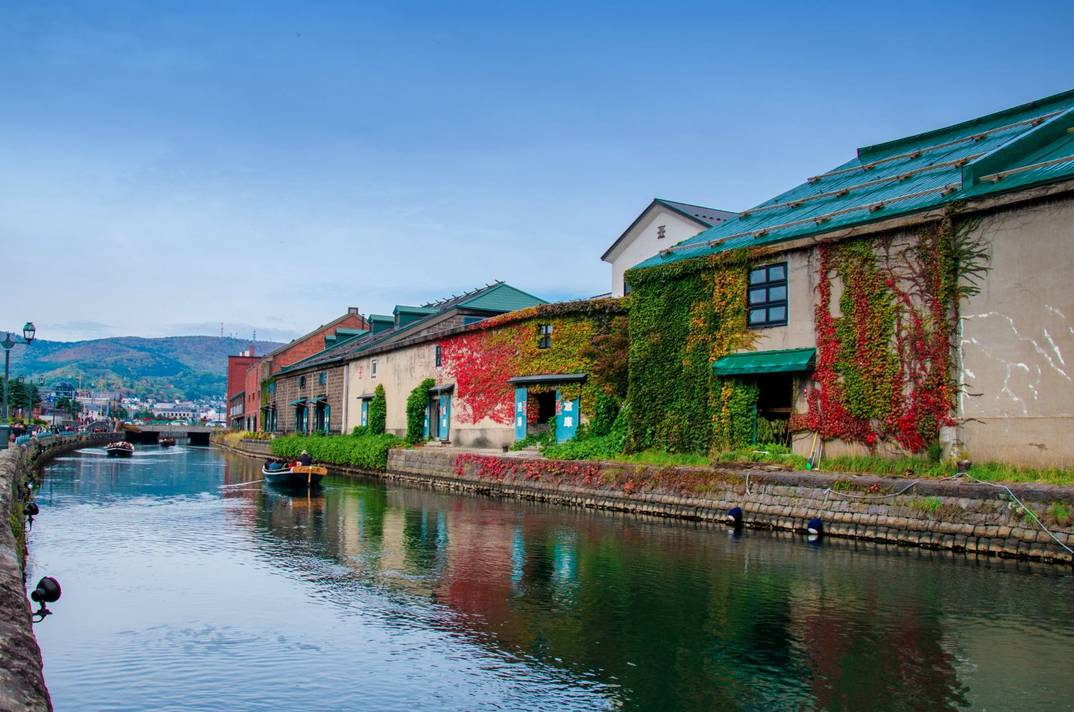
(661, 232)
(322, 377)
(373, 369)
(301, 381)
(544, 336)
(439, 356)
(767, 296)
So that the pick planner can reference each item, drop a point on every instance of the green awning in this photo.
(300, 401)
(783, 361)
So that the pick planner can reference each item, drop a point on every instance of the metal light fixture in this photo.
(29, 331)
(47, 591)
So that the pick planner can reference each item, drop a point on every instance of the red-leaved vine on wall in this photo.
(883, 369)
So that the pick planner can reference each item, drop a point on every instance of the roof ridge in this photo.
(464, 295)
(969, 123)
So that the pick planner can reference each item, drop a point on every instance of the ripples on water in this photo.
(185, 589)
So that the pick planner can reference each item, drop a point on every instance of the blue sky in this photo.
(169, 166)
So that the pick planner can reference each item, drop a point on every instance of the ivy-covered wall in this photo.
(884, 358)
(884, 344)
(481, 361)
(683, 316)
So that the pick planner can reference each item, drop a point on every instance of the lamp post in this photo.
(28, 333)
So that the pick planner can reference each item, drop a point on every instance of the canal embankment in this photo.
(22, 686)
(1018, 521)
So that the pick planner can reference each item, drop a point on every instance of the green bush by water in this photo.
(368, 452)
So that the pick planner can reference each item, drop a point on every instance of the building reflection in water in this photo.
(671, 616)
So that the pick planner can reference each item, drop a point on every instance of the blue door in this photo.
(566, 417)
(445, 416)
(365, 412)
(520, 412)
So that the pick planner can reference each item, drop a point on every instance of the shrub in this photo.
(589, 446)
(368, 452)
(378, 411)
(416, 404)
(538, 440)
(605, 411)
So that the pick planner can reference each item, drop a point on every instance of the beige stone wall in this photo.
(399, 371)
(1017, 340)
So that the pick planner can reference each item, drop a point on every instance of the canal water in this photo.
(189, 586)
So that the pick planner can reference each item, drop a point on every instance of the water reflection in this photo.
(467, 602)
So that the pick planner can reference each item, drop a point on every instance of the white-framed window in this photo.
(373, 368)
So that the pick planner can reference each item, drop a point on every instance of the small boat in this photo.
(121, 448)
(165, 441)
(294, 475)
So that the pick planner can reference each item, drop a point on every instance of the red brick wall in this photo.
(314, 343)
(236, 373)
(253, 392)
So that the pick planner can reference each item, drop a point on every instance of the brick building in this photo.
(247, 375)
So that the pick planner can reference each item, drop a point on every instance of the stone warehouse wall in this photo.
(22, 686)
(937, 514)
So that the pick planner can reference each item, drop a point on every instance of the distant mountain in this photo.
(186, 367)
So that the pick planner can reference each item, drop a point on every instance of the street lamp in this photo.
(28, 333)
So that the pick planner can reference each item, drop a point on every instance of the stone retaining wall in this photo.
(22, 687)
(955, 515)
(935, 514)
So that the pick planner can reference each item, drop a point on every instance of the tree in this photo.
(23, 395)
(70, 406)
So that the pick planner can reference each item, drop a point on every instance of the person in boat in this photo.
(304, 459)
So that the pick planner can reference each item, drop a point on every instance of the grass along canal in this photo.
(188, 587)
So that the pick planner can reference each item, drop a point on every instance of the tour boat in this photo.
(295, 475)
(121, 448)
(165, 441)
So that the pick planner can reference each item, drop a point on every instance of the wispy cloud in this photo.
(74, 330)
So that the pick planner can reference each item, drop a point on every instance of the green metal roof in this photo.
(784, 361)
(502, 298)
(1011, 149)
(401, 309)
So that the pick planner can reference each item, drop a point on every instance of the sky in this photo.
(171, 167)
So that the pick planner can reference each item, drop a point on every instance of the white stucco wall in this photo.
(642, 242)
(400, 371)
(1017, 341)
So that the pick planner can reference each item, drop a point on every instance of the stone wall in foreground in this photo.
(958, 515)
(22, 687)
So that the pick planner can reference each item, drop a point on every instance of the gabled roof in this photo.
(704, 217)
(495, 298)
(500, 298)
(1011, 149)
(351, 311)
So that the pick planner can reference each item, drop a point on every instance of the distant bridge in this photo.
(193, 434)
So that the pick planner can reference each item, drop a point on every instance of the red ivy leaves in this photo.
(921, 394)
(481, 369)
